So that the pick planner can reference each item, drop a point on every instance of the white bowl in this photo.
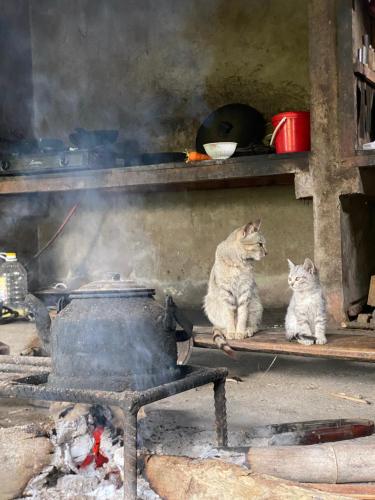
(220, 150)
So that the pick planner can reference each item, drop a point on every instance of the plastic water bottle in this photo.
(13, 282)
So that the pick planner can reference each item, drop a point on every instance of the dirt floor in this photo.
(293, 389)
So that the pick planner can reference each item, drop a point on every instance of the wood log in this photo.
(371, 292)
(353, 490)
(23, 455)
(182, 478)
(341, 462)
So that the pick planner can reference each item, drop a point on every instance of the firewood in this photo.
(182, 478)
(350, 461)
(23, 455)
(371, 293)
(362, 491)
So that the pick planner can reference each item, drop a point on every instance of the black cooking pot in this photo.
(113, 335)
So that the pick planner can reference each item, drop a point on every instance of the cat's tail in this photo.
(220, 340)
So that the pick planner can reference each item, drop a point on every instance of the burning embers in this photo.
(88, 454)
(86, 436)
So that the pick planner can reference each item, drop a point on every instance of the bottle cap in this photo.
(11, 256)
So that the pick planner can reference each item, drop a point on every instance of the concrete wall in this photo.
(155, 69)
(18, 216)
(15, 70)
(169, 239)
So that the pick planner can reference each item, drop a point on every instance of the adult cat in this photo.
(232, 302)
(305, 319)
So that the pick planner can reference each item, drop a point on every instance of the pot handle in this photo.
(39, 312)
(174, 315)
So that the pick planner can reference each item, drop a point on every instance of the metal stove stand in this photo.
(26, 378)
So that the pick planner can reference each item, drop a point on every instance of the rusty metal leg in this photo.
(130, 455)
(220, 412)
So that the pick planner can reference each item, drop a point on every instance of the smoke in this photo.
(129, 65)
(114, 64)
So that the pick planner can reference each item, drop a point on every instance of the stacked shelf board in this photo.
(365, 72)
(235, 172)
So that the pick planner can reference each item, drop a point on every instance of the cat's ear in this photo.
(257, 225)
(291, 265)
(309, 266)
(251, 227)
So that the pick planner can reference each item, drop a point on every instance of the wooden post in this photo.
(332, 135)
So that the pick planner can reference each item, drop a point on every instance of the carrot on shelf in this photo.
(195, 156)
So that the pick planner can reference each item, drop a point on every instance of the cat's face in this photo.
(302, 277)
(251, 242)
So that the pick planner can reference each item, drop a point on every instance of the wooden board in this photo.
(364, 72)
(234, 172)
(343, 344)
(371, 293)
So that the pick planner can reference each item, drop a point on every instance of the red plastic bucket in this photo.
(293, 133)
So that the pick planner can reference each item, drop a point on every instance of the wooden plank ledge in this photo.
(342, 344)
(234, 172)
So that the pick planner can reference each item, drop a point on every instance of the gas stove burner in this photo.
(49, 160)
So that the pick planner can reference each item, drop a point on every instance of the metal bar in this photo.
(130, 454)
(201, 376)
(25, 360)
(220, 412)
(46, 393)
(198, 377)
(18, 368)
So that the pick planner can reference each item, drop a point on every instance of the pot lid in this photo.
(232, 123)
(111, 289)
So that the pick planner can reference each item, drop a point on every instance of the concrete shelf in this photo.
(257, 170)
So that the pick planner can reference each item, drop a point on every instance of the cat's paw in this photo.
(305, 341)
(250, 331)
(231, 335)
(290, 336)
(240, 335)
(321, 340)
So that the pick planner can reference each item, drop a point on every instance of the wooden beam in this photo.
(235, 172)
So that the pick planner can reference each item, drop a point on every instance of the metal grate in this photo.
(27, 377)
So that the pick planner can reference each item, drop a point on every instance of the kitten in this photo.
(232, 302)
(306, 316)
